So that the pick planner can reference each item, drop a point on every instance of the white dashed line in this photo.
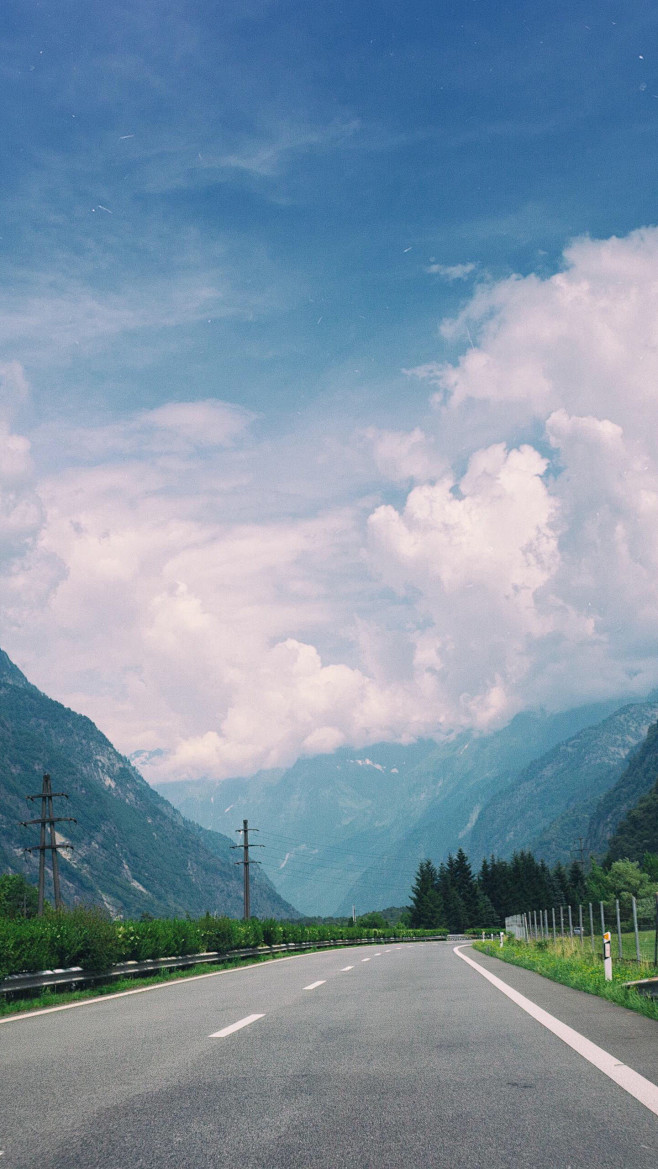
(344, 968)
(235, 1026)
(632, 1082)
(366, 959)
(312, 985)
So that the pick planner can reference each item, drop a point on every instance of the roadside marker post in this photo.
(607, 957)
(502, 939)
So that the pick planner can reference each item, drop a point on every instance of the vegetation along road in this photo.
(394, 1055)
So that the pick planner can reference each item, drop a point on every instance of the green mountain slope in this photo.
(637, 833)
(133, 851)
(547, 806)
(607, 827)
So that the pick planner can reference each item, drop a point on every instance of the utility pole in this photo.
(246, 862)
(48, 820)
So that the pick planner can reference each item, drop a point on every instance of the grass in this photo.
(568, 962)
(59, 998)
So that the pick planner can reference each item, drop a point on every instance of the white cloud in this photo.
(173, 582)
(451, 271)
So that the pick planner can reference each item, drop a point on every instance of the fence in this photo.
(633, 924)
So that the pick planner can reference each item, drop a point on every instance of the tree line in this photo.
(455, 898)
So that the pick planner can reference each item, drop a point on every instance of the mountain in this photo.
(133, 852)
(624, 815)
(350, 828)
(548, 805)
(469, 783)
(637, 833)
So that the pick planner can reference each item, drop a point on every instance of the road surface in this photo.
(365, 1057)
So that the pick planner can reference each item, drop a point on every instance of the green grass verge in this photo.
(564, 961)
(57, 998)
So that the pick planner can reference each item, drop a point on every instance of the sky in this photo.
(328, 367)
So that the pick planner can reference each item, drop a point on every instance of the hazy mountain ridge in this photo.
(133, 851)
(351, 827)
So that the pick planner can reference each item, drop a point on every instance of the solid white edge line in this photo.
(312, 985)
(632, 1082)
(235, 1026)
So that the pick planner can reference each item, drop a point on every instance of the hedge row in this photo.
(87, 938)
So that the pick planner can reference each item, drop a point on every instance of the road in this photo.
(382, 1057)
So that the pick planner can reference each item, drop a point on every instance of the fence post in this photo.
(655, 941)
(591, 924)
(602, 918)
(580, 923)
(621, 953)
(548, 932)
(561, 921)
(534, 918)
(636, 931)
(554, 929)
(570, 922)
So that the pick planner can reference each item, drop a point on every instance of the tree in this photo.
(626, 877)
(426, 902)
(17, 897)
(373, 921)
(598, 885)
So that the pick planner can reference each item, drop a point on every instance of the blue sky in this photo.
(302, 165)
(268, 210)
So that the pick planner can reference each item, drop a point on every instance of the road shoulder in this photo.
(632, 1038)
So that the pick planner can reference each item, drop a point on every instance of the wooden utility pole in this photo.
(246, 862)
(48, 820)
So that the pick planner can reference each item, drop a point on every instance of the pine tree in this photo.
(426, 902)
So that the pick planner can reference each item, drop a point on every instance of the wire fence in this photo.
(632, 923)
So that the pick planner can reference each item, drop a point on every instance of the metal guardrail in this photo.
(75, 976)
(648, 986)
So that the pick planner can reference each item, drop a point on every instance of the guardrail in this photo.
(75, 976)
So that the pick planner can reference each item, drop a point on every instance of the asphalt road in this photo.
(408, 1059)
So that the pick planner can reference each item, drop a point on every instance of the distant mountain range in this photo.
(350, 828)
(133, 852)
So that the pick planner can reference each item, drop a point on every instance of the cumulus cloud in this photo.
(169, 581)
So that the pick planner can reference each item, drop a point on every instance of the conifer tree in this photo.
(426, 902)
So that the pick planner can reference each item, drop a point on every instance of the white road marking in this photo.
(344, 968)
(387, 951)
(378, 954)
(632, 1082)
(235, 1026)
(312, 985)
(120, 994)
(366, 959)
